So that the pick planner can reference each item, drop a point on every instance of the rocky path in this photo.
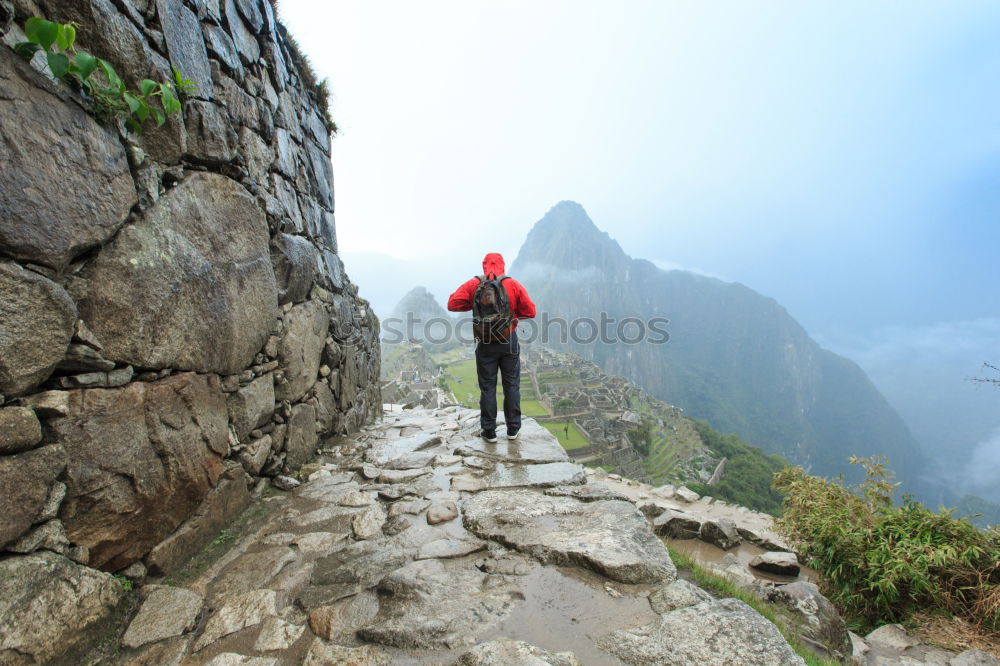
(417, 542)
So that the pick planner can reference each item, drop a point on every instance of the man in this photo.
(498, 354)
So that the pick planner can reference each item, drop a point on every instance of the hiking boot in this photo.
(489, 435)
(512, 433)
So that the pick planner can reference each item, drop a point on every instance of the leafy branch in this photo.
(98, 80)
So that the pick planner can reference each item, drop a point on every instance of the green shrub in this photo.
(98, 80)
(881, 561)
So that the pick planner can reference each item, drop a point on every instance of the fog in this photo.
(841, 158)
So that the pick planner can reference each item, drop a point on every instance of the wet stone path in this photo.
(416, 542)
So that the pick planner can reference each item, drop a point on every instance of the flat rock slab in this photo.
(326, 654)
(429, 605)
(610, 536)
(385, 451)
(249, 572)
(166, 612)
(534, 444)
(726, 632)
(449, 548)
(591, 492)
(330, 488)
(534, 476)
(508, 652)
(243, 611)
(350, 570)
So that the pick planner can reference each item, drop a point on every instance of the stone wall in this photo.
(174, 319)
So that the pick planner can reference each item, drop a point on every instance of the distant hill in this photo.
(736, 359)
(418, 317)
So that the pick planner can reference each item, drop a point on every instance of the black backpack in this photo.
(491, 317)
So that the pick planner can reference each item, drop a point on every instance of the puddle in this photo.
(706, 554)
(564, 610)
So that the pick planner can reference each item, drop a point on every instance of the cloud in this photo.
(982, 470)
(671, 266)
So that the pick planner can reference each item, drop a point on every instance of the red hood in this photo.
(493, 265)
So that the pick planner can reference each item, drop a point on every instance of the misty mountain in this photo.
(735, 358)
(418, 317)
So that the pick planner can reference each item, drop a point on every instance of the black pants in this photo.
(505, 356)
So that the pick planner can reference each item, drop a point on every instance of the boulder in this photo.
(141, 460)
(820, 621)
(166, 612)
(49, 606)
(36, 324)
(610, 536)
(720, 532)
(676, 525)
(294, 261)
(301, 440)
(427, 604)
(194, 275)
(784, 564)
(300, 349)
(726, 632)
(974, 657)
(678, 594)
(19, 429)
(55, 209)
(508, 652)
(891, 637)
(441, 512)
(25, 482)
(251, 406)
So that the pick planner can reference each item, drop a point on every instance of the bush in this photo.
(883, 562)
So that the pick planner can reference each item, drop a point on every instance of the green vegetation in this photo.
(722, 587)
(568, 435)
(884, 562)
(460, 378)
(642, 437)
(981, 512)
(97, 79)
(749, 472)
(125, 582)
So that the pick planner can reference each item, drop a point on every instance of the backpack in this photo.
(491, 316)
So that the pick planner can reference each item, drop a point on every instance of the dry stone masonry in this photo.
(175, 322)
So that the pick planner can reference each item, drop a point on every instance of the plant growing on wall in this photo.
(97, 79)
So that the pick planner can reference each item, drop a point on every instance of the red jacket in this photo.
(493, 266)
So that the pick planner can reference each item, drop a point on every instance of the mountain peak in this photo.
(566, 237)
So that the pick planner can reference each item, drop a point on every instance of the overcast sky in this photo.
(841, 158)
